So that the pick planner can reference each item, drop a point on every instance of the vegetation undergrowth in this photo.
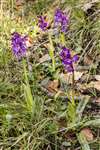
(49, 75)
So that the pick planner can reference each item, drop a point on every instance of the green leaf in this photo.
(27, 91)
(71, 112)
(82, 140)
(81, 106)
(95, 123)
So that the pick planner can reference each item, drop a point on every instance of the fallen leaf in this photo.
(68, 76)
(95, 85)
(46, 57)
(97, 77)
(19, 4)
(78, 75)
(88, 60)
(88, 134)
(89, 5)
(82, 87)
(53, 86)
(29, 41)
(97, 101)
(65, 78)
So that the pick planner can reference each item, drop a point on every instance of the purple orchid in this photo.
(42, 23)
(67, 59)
(18, 43)
(61, 20)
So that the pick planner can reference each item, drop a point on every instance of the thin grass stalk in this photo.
(51, 53)
(73, 85)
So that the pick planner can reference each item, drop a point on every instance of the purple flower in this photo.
(61, 20)
(69, 68)
(67, 60)
(75, 58)
(58, 16)
(42, 23)
(18, 43)
(65, 53)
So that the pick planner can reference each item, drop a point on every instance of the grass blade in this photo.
(95, 123)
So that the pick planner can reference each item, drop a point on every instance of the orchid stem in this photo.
(73, 85)
(62, 38)
(53, 64)
(51, 53)
(73, 80)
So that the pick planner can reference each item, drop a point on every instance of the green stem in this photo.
(53, 64)
(62, 39)
(24, 69)
(51, 53)
(73, 80)
(73, 84)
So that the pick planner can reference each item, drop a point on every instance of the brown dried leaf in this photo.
(88, 60)
(53, 86)
(89, 5)
(29, 41)
(46, 57)
(82, 87)
(68, 77)
(85, 88)
(95, 84)
(97, 77)
(78, 75)
(96, 101)
(19, 4)
(88, 134)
